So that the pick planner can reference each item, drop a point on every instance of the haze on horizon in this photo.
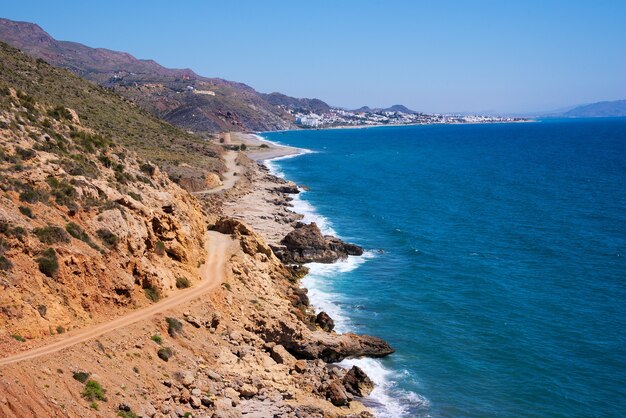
(446, 56)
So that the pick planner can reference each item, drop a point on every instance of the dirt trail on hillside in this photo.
(212, 273)
(230, 176)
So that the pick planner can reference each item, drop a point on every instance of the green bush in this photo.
(5, 263)
(157, 339)
(25, 154)
(182, 282)
(18, 338)
(51, 235)
(60, 113)
(48, 263)
(60, 329)
(62, 190)
(108, 237)
(94, 392)
(165, 353)
(152, 293)
(81, 376)
(33, 195)
(159, 248)
(26, 211)
(174, 326)
(77, 232)
(126, 414)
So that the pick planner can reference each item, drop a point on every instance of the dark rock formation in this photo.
(325, 321)
(306, 244)
(357, 382)
(336, 393)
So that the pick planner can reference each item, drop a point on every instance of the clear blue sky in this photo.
(437, 56)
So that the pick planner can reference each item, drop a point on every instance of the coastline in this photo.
(298, 209)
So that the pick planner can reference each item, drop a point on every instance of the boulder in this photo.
(325, 321)
(336, 394)
(357, 382)
(306, 244)
(282, 356)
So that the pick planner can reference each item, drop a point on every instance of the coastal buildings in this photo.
(341, 117)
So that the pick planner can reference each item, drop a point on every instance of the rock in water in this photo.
(306, 244)
(357, 382)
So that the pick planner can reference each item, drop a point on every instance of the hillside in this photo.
(85, 223)
(101, 110)
(179, 96)
(307, 105)
(599, 109)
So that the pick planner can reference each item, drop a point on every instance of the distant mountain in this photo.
(178, 96)
(598, 110)
(311, 105)
(394, 108)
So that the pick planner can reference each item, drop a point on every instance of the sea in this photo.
(495, 261)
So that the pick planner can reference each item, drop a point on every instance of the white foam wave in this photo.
(386, 399)
(310, 214)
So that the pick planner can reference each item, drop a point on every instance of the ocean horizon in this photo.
(494, 261)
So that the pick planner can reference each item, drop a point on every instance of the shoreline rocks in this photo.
(306, 244)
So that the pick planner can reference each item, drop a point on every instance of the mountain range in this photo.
(179, 96)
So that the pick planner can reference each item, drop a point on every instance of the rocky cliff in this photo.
(87, 229)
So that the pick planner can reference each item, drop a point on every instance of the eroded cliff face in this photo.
(87, 230)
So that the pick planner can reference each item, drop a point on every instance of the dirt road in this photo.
(230, 176)
(212, 274)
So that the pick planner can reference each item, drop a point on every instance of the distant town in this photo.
(335, 117)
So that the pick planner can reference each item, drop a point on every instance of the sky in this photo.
(432, 56)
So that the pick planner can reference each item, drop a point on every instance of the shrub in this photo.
(264, 146)
(182, 282)
(25, 154)
(81, 376)
(126, 414)
(60, 113)
(165, 353)
(60, 329)
(62, 190)
(152, 293)
(77, 232)
(108, 237)
(135, 196)
(18, 338)
(159, 248)
(80, 165)
(51, 235)
(32, 195)
(26, 211)
(94, 406)
(5, 263)
(157, 339)
(94, 392)
(48, 263)
(174, 326)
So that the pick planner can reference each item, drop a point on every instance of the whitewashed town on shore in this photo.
(341, 117)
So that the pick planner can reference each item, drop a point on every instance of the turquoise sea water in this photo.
(495, 266)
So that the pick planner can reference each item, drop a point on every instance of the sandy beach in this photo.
(259, 149)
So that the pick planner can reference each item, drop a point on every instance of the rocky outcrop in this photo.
(306, 244)
(325, 321)
(357, 382)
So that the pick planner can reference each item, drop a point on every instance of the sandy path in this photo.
(229, 176)
(212, 273)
